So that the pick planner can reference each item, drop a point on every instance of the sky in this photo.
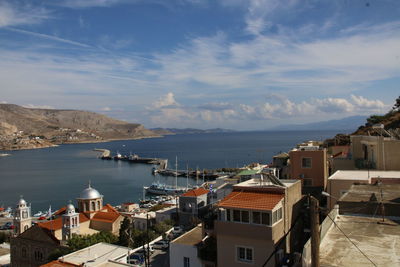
(246, 65)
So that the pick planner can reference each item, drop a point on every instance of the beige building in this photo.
(253, 219)
(377, 152)
(341, 181)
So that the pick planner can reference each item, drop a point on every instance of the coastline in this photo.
(79, 142)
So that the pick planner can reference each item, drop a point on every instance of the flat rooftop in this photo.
(363, 175)
(96, 255)
(191, 238)
(386, 193)
(380, 242)
(265, 183)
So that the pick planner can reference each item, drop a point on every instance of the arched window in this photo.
(23, 252)
(38, 255)
(98, 204)
(87, 206)
(93, 205)
(26, 227)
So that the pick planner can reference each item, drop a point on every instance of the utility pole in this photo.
(315, 237)
(147, 237)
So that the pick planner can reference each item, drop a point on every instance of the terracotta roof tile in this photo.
(106, 216)
(57, 263)
(56, 224)
(251, 199)
(195, 192)
(60, 211)
(110, 208)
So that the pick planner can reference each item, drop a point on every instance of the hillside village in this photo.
(323, 203)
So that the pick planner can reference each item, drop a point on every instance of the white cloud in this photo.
(106, 109)
(38, 106)
(167, 101)
(12, 14)
(363, 103)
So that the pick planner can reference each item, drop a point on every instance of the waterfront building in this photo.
(254, 219)
(22, 217)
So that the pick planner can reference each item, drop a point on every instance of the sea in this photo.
(54, 176)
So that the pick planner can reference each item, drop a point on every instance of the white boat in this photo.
(163, 189)
(39, 214)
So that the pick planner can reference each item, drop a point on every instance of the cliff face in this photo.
(26, 128)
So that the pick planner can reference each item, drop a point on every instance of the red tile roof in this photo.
(57, 263)
(251, 199)
(195, 192)
(56, 224)
(60, 211)
(110, 208)
(109, 217)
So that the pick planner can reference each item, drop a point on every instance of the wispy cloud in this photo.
(48, 37)
(13, 14)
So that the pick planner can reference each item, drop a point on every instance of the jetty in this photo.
(106, 155)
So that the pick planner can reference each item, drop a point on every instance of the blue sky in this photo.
(202, 63)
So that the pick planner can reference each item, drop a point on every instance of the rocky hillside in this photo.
(22, 128)
(390, 121)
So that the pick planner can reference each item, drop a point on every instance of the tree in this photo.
(77, 242)
(123, 238)
(397, 104)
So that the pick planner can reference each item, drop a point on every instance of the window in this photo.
(228, 214)
(26, 227)
(307, 182)
(93, 206)
(38, 255)
(186, 262)
(306, 162)
(236, 215)
(265, 218)
(23, 252)
(245, 216)
(256, 217)
(244, 254)
(277, 215)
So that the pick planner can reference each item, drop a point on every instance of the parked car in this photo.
(7, 225)
(162, 244)
(177, 230)
(143, 251)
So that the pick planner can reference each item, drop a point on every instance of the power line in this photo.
(365, 255)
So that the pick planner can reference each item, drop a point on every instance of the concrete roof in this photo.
(265, 182)
(380, 242)
(96, 255)
(362, 193)
(191, 238)
(363, 175)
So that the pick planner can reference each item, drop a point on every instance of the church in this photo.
(31, 246)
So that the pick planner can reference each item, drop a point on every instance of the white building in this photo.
(183, 250)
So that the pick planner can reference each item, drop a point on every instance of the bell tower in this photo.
(70, 222)
(22, 217)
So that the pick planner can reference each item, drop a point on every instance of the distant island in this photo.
(167, 131)
(28, 128)
(348, 124)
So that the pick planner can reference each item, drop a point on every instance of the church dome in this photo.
(90, 193)
(21, 202)
(70, 208)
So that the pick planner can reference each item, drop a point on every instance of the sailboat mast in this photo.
(187, 177)
(176, 172)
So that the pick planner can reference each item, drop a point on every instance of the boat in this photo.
(163, 189)
(39, 214)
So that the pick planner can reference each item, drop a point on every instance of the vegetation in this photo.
(396, 106)
(133, 238)
(208, 250)
(78, 242)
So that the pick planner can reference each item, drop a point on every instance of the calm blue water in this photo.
(53, 176)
